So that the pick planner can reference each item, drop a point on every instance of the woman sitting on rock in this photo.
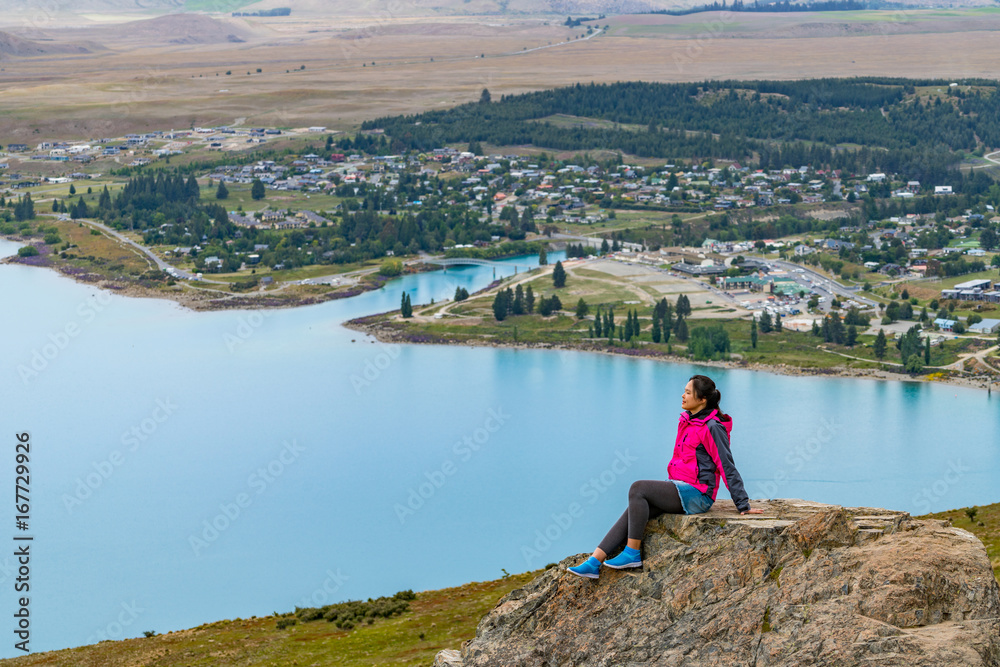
(701, 456)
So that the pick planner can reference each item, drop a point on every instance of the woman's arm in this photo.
(734, 482)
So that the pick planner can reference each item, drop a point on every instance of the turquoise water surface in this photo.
(188, 467)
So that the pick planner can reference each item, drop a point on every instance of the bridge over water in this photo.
(467, 261)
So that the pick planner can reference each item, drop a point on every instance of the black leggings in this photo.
(647, 499)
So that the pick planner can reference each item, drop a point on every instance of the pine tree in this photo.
(927, 351)
(529, 300)
(777, 323)
(222, 192)
(816, 330)
(656, 333)
(852, 336)
(559, 275)
(682, 330)
(765, 322)
(628, 333)
(605, 247)
(257, 190)
(880, 345)
(543, 257)
(582, 309)
(500, 306)
(597, 323)
(753, 333)
(517, 306)
(405, 308)
(683, 305)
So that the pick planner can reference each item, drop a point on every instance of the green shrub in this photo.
(391, 268)
(27, 251)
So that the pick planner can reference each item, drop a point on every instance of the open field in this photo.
(173, 74)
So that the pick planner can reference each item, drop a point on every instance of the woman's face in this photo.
(690, 400)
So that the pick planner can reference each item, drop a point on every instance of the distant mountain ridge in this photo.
(390, 8)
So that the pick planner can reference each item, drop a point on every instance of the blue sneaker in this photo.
(588, 568)
(629, 557)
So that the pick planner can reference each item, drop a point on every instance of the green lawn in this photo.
(239, 196)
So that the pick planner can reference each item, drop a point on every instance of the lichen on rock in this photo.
(802, 584)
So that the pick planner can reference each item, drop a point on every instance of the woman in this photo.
(701, 456)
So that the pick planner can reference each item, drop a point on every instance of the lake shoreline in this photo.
(383, 331)
(200, 299)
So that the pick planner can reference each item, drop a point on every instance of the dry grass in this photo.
(144, 86)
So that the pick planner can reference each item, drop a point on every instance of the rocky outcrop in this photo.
(802, 584)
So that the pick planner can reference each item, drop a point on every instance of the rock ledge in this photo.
(802, 584)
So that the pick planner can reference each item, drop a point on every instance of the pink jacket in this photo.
(699, 460)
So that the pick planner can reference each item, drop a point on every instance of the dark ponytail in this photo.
(704, 387)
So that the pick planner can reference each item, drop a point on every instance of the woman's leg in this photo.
(615, 536)
(647, 499)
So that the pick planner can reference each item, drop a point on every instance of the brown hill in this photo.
(802, 584)
(174, 29)
(19, 47)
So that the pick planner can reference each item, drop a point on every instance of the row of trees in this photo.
(734, 119)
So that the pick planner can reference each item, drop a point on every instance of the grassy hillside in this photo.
(436, 620)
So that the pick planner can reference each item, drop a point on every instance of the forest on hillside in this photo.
(860, 124)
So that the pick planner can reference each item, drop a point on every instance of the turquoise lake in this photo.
(188, 467)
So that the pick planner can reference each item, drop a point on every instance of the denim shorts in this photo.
(692, 500)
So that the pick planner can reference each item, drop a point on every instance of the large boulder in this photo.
(802, 584)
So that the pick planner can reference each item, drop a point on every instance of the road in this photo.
(823, 285)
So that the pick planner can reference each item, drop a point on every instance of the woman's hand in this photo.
(753, 511)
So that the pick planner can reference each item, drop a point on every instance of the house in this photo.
(698, 270)
(942, 190)
(876, 178)
(266, 280)
(752, 283)
(988, 326)
(891, 270)
(803, 250)
(835, 244)
(980, 284)
(17, 148)
(944, 325)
